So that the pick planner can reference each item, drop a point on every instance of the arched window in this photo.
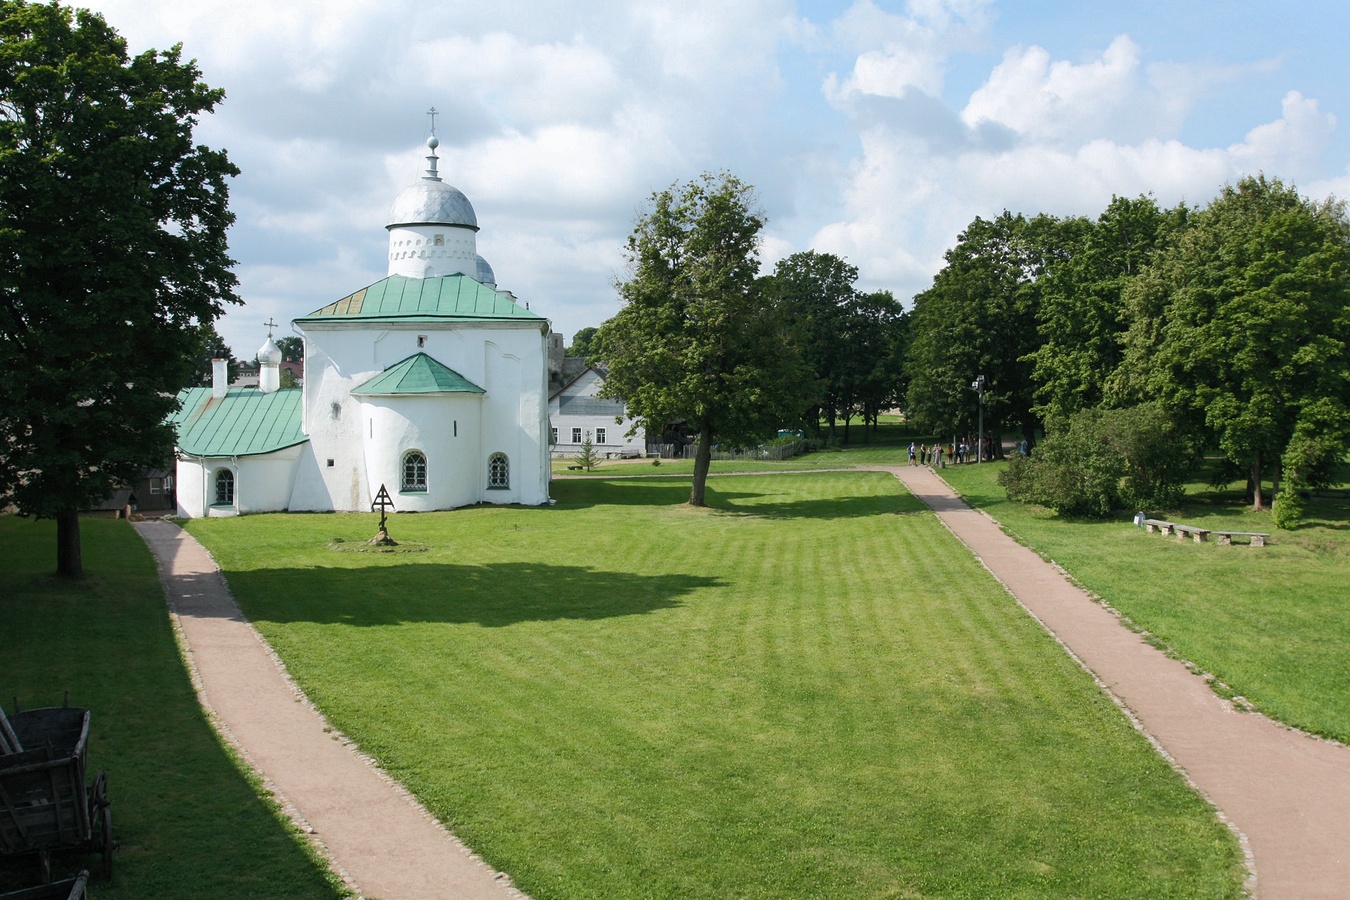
(224, 487)
(414, 471)
(499, 471)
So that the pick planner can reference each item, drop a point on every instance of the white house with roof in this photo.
(578, 414)
(430, 382)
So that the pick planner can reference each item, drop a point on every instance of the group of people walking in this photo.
(960, 451)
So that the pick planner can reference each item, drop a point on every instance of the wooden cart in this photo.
(69, 889)
(45, 803)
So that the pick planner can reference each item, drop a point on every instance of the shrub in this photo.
(1104, 460)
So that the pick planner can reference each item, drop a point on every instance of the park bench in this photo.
(1200, 535)
(1255, 538)
(1152, 525)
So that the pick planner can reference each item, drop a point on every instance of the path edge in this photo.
(274, 795)
(1248, 857)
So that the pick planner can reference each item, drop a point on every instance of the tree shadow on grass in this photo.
(858, 507)
(492, 596)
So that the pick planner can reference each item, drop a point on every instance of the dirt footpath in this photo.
(1286, 793)
(377, 837)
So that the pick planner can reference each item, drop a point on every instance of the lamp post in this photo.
(978, 386)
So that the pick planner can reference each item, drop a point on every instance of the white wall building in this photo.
(578, 414)
(430, 382)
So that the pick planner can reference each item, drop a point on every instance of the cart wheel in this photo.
(101, 816)
(109, 845)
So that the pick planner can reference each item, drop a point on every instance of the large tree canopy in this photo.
(816, 292)
(979, 318)
(112, 257)
(1082, 310)
(1244, 325)
(698, 339)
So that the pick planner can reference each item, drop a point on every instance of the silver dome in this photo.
(432, 202)
(483, 273)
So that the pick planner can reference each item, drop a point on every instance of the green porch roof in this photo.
(418, 374)
(245, 422)
(445, 297)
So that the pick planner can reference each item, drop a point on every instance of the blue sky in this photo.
(876, 130)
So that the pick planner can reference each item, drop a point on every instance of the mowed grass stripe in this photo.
(810, 690)
(1272, 623)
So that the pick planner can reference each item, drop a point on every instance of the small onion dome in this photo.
(483, 273)
(269, 354)
(431, 202)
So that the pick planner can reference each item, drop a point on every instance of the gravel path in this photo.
(376, 836)
(1286, 793)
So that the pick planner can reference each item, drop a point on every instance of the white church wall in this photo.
(262, 483)
(335, 479)
(444, 429)
(516, 415)
(508, 360)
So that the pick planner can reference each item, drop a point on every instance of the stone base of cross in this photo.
(383, 503)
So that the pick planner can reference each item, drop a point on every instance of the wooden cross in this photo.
(383, 502)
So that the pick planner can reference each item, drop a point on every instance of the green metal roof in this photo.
(418, 374)
(245, 422)
(453, 297)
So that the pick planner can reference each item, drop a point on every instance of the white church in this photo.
(431, 383)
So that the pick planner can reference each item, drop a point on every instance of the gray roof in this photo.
(485, 275)
(432, 202)
(590, 406)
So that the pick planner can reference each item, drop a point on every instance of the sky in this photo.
(874, 130)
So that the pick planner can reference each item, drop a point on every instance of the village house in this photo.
(578, 414)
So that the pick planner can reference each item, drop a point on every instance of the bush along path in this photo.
(374, 833)
(1286, 793)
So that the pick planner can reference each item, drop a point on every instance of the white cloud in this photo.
(1053, 100)
(1286, 146)
(559, 119)
(898, 53)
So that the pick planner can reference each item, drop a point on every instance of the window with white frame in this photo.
(499, 471)
(576, 435)
(414, 472)
(224, 487)
(599, 435)
(553, 435)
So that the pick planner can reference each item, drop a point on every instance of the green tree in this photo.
(816, 293)
(581, 343)
(697, 338)
(112, 257)
(587, 458)
(1100, 460)
(979, 318)
(213, 347)
(1082, 318)
(878, 338)
(1243, 325)
(292, 348)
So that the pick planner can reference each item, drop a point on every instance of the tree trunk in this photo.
(69, 563)
(1257, 504)
(702, 462)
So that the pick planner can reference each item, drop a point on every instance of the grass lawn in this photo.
(190, 823)
(1272, 623)
(810, 691)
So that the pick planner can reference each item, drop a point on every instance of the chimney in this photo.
(220, 377)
